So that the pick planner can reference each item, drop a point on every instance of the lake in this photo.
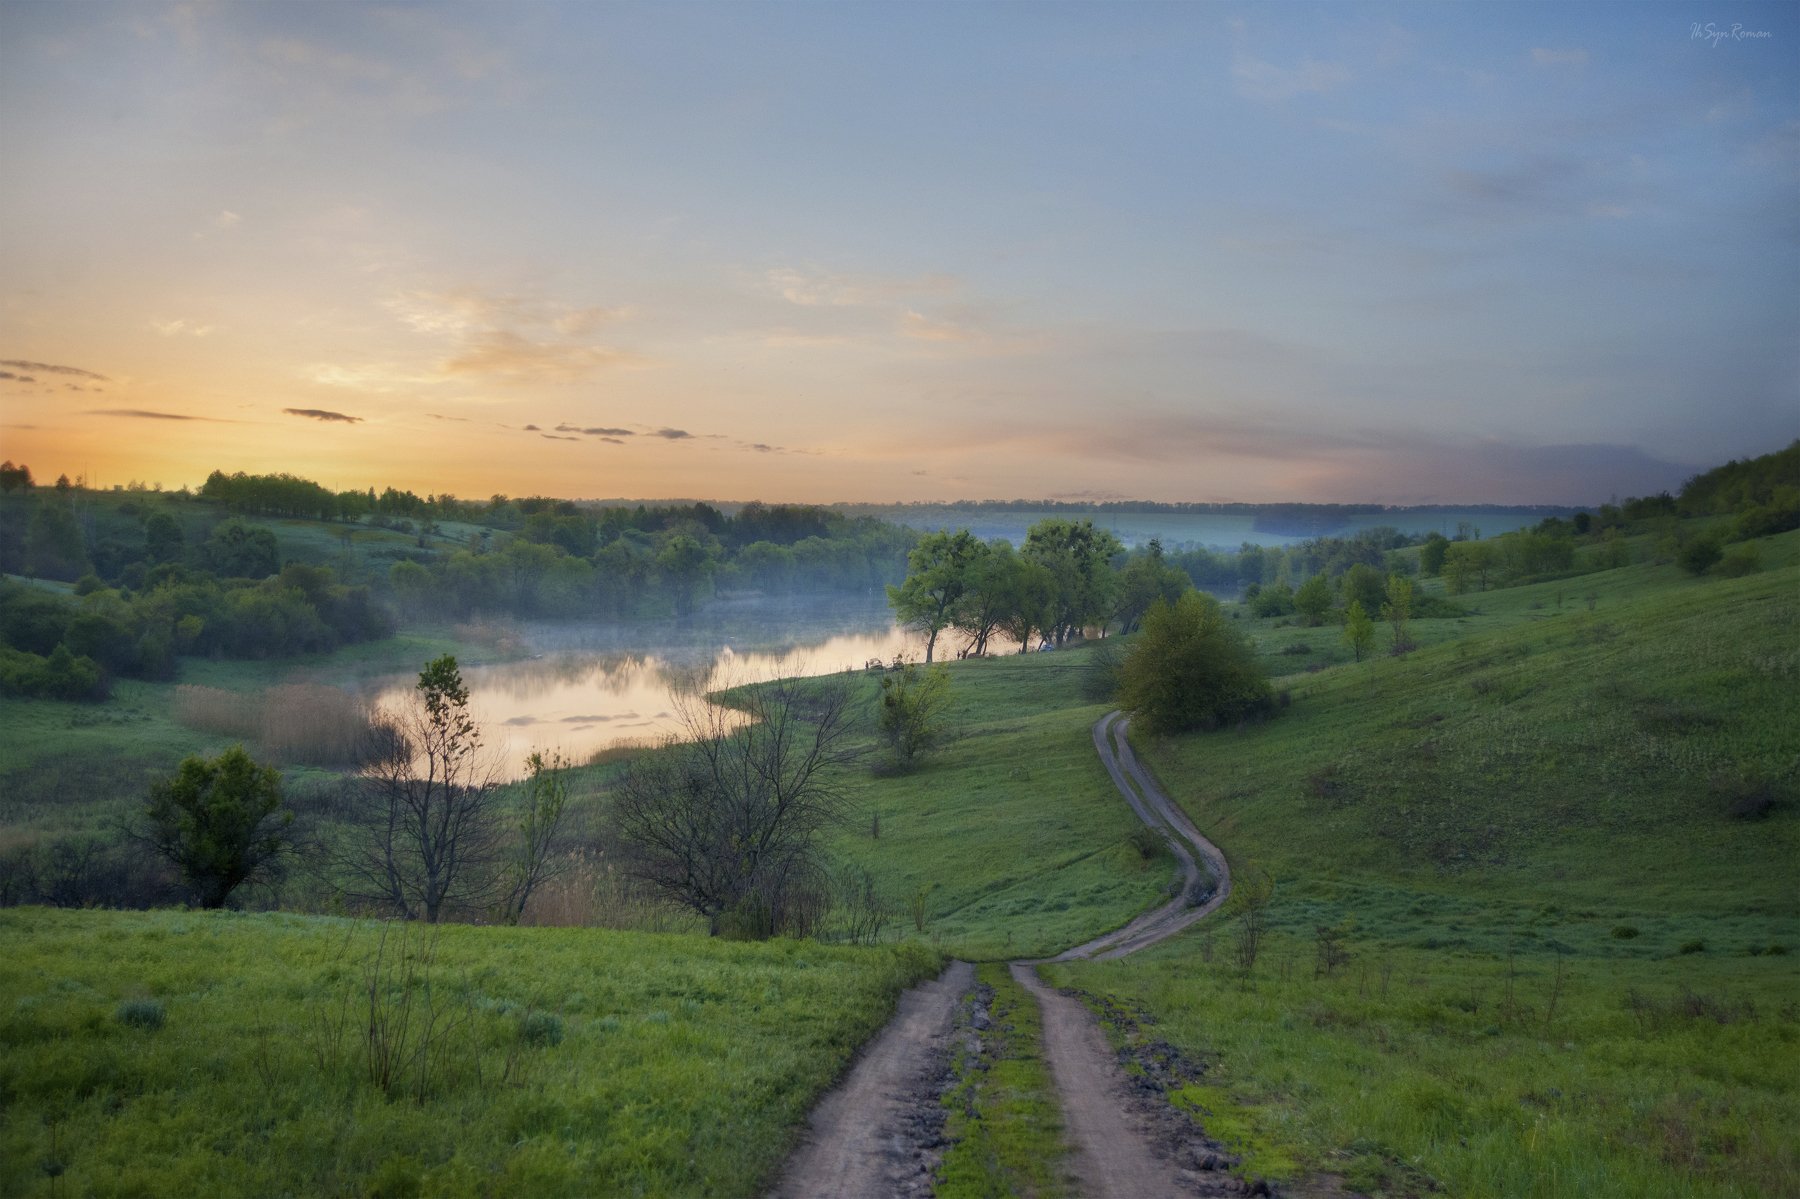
(587, 688)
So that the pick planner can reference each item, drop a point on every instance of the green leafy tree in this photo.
(992, 578)
(1277, 599)
(238, 549)
(686, 567)
(220, 822)
(1359, 630)
(54, 546)
(1313, 600)
(1467, 564)
(14, 478)
(1363, 582)
(1030, 595)
(1190, 669)
(163, 540)
(1431, 554)
(1396, 609)
(1147, 577)
(1079, 557)
(914, 700)
(937, 580)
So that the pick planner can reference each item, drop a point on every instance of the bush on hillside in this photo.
(1698, 557)
(1191, 670)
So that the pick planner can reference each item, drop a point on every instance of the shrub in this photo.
(1190, 669)
(1146, 841)
(1767, 521)
(541, 1029)
(1695, 946)
(914, 700)
(1100, 674)
(147, 1014)
(220, 822)
(1625, 932)
(1698, 557)
(1739, 561)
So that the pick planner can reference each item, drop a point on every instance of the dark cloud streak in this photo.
(146, 414)
(323, 414)
(50, 368)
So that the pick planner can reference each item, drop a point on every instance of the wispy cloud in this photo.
(18, 378)
(368, 376)
(180, 326)
(817, 288)
(227, 219)
(596, 431)
(323, 414)
(147, 414)
(48, 368)
(518, 337)
(673, 434)
(920, 327)
(1255, 79)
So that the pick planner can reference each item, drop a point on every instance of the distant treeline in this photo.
(161, 575)
(1334, 512)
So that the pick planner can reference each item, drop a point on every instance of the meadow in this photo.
(1533, 931)
(181, 1053)
(1534, 918)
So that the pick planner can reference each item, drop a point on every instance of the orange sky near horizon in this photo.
(894, 252)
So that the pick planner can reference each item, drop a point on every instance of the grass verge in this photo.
(220, 1054)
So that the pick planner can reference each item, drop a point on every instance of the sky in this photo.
(1395, 253)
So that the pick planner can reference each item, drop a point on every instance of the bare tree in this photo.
(432, 819)
(725, 818)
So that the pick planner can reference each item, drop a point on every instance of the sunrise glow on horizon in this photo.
(1398, 253)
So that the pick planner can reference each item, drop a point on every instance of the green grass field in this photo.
(1561, 851)
(1557, 843)
(1011, 837)
(180, 1053)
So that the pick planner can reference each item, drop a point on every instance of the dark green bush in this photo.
(147, 1014)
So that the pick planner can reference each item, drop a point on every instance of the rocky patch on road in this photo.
(1154, 1071)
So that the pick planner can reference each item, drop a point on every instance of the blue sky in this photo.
(1403, 253)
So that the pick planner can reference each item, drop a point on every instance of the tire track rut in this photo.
(866, 1138)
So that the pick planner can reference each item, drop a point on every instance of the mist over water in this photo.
(587, 688)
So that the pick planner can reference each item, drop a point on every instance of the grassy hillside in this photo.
(1012, 838)
(1559, 852)
(180, 1053)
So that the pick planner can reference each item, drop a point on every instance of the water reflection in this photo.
(594, 687)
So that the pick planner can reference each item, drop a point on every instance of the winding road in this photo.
(864, 1138)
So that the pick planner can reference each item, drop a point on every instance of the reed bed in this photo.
(297, 723)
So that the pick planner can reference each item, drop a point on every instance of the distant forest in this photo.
(258, 566)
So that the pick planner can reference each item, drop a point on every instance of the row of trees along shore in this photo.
(160, 575)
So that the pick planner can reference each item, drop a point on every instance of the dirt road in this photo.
(1206, 878)
(874, 1135)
